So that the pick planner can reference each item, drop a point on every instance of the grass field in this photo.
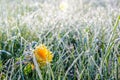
(82, 35)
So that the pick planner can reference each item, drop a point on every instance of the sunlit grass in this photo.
(83, 36)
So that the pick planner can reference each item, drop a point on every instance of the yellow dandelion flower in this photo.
(33, 67)
(63, 6)
(43, 55)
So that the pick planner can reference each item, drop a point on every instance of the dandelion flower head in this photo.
(63, 6)
(43, 55)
